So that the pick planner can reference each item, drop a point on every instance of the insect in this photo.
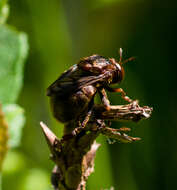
(72, 94)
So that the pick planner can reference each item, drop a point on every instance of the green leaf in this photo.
(35, 179)
(2, 3)
(13, 51)
(14, 115)
(105, 3)
(4, 11)
(13, 163)
(3, 137)
(0, 181)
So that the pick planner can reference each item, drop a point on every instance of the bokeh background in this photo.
(60, 32)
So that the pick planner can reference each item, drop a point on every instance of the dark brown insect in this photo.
(72, 94)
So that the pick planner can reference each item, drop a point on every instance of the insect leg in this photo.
(120, 90)
(104, 98)
(87, 117)
(89, 113)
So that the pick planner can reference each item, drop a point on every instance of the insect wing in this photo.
(62, 82)
(89, 80)
(68, 86)
(85, 81)
(68, 72)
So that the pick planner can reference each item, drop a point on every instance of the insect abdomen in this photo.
(72, 106)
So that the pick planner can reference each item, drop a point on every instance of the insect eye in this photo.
(118, 75)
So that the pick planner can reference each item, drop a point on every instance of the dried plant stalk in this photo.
(74, 154)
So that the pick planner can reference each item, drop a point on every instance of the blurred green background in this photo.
(60, 32)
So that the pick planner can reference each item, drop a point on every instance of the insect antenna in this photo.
(125, 61)
(120, 55)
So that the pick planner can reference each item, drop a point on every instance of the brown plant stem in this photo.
(74, 154)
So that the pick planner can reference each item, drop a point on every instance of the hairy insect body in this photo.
(72, 94)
